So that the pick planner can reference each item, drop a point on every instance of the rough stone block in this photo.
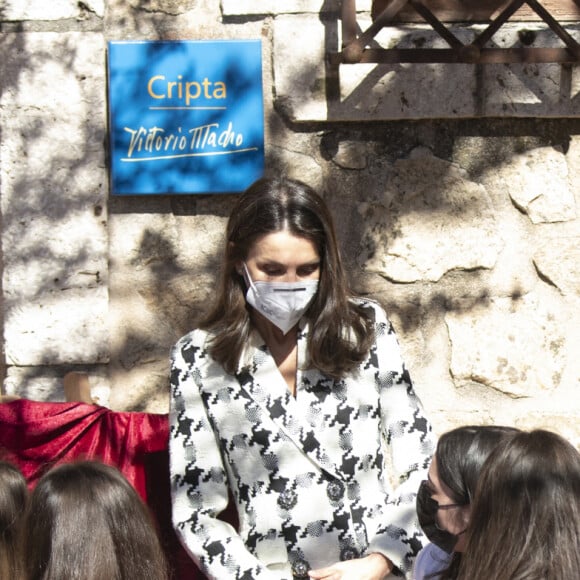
(431, 220)
(517, 347)
(539, 185)
(18, 10)
(65, 327)
(566, 424)
(557, 260)
(163, 6)
(45, 383)
(54, 188)
(144, 388)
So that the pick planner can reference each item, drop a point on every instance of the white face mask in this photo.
(282, 303)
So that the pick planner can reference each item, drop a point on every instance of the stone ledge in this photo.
(274, 7)
(63, 328)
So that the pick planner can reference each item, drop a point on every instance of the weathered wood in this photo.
(494, 13)
(481, 10)
(451, 56)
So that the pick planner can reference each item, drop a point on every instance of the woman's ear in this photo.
(466, 514)
(239, 264)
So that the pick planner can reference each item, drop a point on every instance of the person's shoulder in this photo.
(374, 309)
(194, 338)
(430, 560)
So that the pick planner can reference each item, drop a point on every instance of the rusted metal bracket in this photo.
(356, 49)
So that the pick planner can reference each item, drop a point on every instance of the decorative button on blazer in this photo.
(328, 475)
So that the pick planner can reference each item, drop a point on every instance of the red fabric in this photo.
(36, 435)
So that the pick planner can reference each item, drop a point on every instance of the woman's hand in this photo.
(372, 567)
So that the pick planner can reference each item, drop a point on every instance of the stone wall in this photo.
(455, 190)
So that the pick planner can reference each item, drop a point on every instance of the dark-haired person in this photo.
(444, 499)
(291, 395)
(13, 501)
(525, 520)
(86, 522)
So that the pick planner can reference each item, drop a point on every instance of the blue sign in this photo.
(185, 116)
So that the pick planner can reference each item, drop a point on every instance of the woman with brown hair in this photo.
(444, 498)
(292, 397)
(525, 520)
(13, 500)
(86, 522)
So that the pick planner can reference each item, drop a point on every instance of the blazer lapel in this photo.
(260, 378)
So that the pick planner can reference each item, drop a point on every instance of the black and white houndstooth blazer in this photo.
(311, 475)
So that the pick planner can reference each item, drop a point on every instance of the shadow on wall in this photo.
(53, 202)
(528, 89)
(41, 195)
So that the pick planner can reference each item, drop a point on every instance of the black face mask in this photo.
(427, 509)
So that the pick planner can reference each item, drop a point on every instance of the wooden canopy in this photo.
(358, 46)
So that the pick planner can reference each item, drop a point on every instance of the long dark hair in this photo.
(525, 520)
(86, 522)
(13, 500)
(341, 331)
(461, 454)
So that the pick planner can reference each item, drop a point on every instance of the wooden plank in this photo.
(451, 56)
(482, 10)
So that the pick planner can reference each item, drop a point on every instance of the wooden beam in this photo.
(452, 56)
(481, 10)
